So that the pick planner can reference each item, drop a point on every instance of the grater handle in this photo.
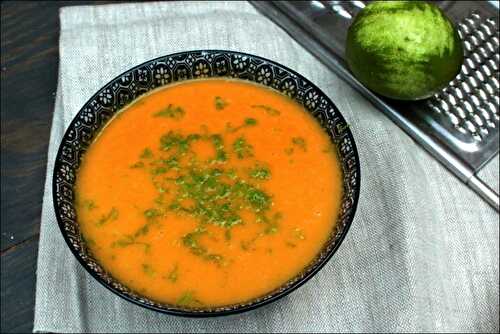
(483, 190)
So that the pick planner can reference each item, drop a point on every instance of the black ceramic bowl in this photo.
(191, 65)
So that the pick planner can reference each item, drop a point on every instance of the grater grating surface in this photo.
(470, 104)
(459, 126)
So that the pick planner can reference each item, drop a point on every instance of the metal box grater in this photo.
(459, 126)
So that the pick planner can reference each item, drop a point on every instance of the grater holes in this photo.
(478, 121)
(475, 41)
(481, 35)
(451, 99)
(475, 14)
(454, 119)
(484, 131)
(490, 47)
(491, 22)
(459, 111)
(479, 76)
(485, 29)
(492, 64)
(489, 89)
(496, 99)
(482, 94)
(477, 137)
(473, 82)
(468, 62)
(466, 104)
(465, 87)
(485, 114)
(475, 100)
(470, 22)
(470, 127)
(468, 46)
(494, 82)
(494, 39)
(463, 29)
(492, 108)
(486, 70)
(483, 52)
(462, 130)
(476, 57)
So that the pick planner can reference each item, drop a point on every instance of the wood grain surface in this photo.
(29, 65)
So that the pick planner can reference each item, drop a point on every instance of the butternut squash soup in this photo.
(208, 193)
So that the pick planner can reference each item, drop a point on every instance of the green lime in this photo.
(406, 50)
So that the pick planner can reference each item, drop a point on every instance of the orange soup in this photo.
(208, 193)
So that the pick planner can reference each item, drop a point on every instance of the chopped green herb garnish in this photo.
(260, 173)
(258, 199)
(205, 190)
(220, 103)
(220, 154)
(188, 299)
(138, 164)
(272, 228)
(111, 215)
(250, 121)
(242, 148)
(173, 274)
(269, 110)
(152, 213)
(171, 111)
(190, 240)
(89, 205)
(146, 154)
(300, 142)
(148, 270)
(246, 123)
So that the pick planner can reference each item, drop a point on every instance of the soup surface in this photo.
(208, 192)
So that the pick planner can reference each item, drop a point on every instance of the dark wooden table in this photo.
(29, 63)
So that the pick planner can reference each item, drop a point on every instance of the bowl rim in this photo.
(238, 308)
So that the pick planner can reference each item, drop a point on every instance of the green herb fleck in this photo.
(271, 228)
(242, 148)
(289, 151)
(290, 244)
(138, 164)
(148, 270)
(220, 103)
(220, 154)
(246, 123)
(190, 240)
(188, 299)
(300, 142)
(227, 234)
(269, 110)
(250, 121)
(173, 274)
(152, 213)
(112, 215)
(260, 173)
(89, 205)
(146, 154)
(171, 111)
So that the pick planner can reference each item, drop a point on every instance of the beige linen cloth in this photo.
(421, 255)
